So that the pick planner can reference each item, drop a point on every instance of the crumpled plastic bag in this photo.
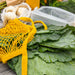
(54, 16)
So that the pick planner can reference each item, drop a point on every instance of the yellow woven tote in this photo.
(14, 38)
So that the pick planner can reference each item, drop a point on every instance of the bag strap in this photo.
(45, 26)
(27, 20)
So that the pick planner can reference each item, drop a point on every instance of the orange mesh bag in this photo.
(33, 3)
(14, 38)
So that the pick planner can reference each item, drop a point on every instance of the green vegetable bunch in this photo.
(51, 52)
(2, 5)
(68, 5)
(49, 2)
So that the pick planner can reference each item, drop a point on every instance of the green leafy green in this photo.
(53, 33)
(18, 67)
(48, 57)
(68, 5)
(3, 5)
(57, 38)
(49, 2)
(56, 45)
(67, 41)
(37, 66)
(13, 62)
(44, 37)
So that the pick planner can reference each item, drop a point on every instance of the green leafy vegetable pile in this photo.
(68, 5)
(52, 51)
(49, 2)
(3, 5)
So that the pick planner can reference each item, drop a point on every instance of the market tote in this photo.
(14, 38)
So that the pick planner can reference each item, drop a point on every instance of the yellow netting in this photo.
(14, 38)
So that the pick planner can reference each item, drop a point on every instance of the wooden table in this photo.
(5, 70)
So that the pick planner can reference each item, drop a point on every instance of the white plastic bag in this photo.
(14, 8)
(53, 15)
(25, 13)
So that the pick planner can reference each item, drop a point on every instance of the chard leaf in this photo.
(44, 37)
(52, 56)
(37, 66)
(53, 33)
(18, 67)
(44, 49)
(48, 57)
(67, 41)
